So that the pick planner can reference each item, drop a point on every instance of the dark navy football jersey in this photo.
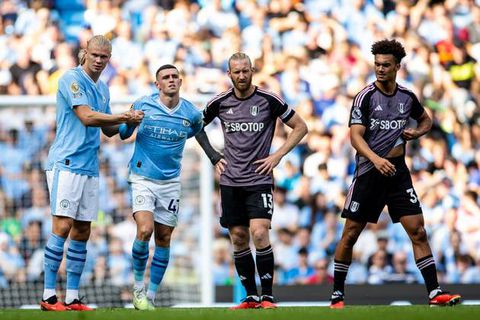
(385, 117)
(248, 126)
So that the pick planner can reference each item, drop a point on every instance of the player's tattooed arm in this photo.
(424, 124)
(358, 142)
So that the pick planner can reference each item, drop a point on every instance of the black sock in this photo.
(426, 265)
(340, 270)
(246, 270)
(52, 300)
(265, 265)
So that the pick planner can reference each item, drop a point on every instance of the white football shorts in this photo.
(161, 197)
(73, 195)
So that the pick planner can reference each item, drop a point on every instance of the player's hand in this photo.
(127, 116)
(137, 117)
(132, 117)
(385, 167)
(220, 166)
(267, 164)
(410, 134)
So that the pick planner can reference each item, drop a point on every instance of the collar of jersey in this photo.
(246, 98)
(156, 99)
(87, 76)
(385, 94)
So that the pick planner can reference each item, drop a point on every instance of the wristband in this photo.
(125, 131)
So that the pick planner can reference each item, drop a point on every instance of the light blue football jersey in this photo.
(161, 137)
(75, 147)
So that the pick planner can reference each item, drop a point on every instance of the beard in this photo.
(243, 86)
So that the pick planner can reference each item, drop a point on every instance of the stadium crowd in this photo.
(315, 53)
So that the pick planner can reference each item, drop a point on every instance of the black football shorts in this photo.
(370, 192)
(240, 204)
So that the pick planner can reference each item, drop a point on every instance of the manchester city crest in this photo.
(64, 204)
(401, 107)
(254, 110)
(139, 200)
(186, 123)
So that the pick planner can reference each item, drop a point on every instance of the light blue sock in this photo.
(53, 258)
(157, 269)
(76, 256)
(140, 258)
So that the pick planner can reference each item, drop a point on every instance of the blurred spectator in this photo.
(325, 235)
(286, 214)
(24, 72)
(286, 256)
(380, 271)
(222, 262)
(31, 240)
(13, 162)
(463, 264)
(11, 262)
(400, 272)
(382, 245)
(302, 272)
(472, 274)
(321, 275)
(119, 264)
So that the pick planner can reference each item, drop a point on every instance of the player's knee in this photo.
(80, 234)
(144, 232)
(239, 239)
(419, 235)
(350, 238)
(62, 230)
(260, 238)
(62, 227)
(163, 240)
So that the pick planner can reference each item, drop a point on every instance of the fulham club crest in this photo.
(354, 206)
(254, 110)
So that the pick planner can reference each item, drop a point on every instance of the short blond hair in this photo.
(239, 56)
(99, 41)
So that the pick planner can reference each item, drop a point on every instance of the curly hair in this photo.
(392, 47)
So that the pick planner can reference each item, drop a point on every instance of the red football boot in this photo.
(443, 299)
(77, 305)
(250, 302)
(52, 304)
(267, 302)
(336, 301)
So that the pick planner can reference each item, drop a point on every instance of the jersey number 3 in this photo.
(413, 196)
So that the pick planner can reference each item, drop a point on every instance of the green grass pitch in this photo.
(287, 313)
